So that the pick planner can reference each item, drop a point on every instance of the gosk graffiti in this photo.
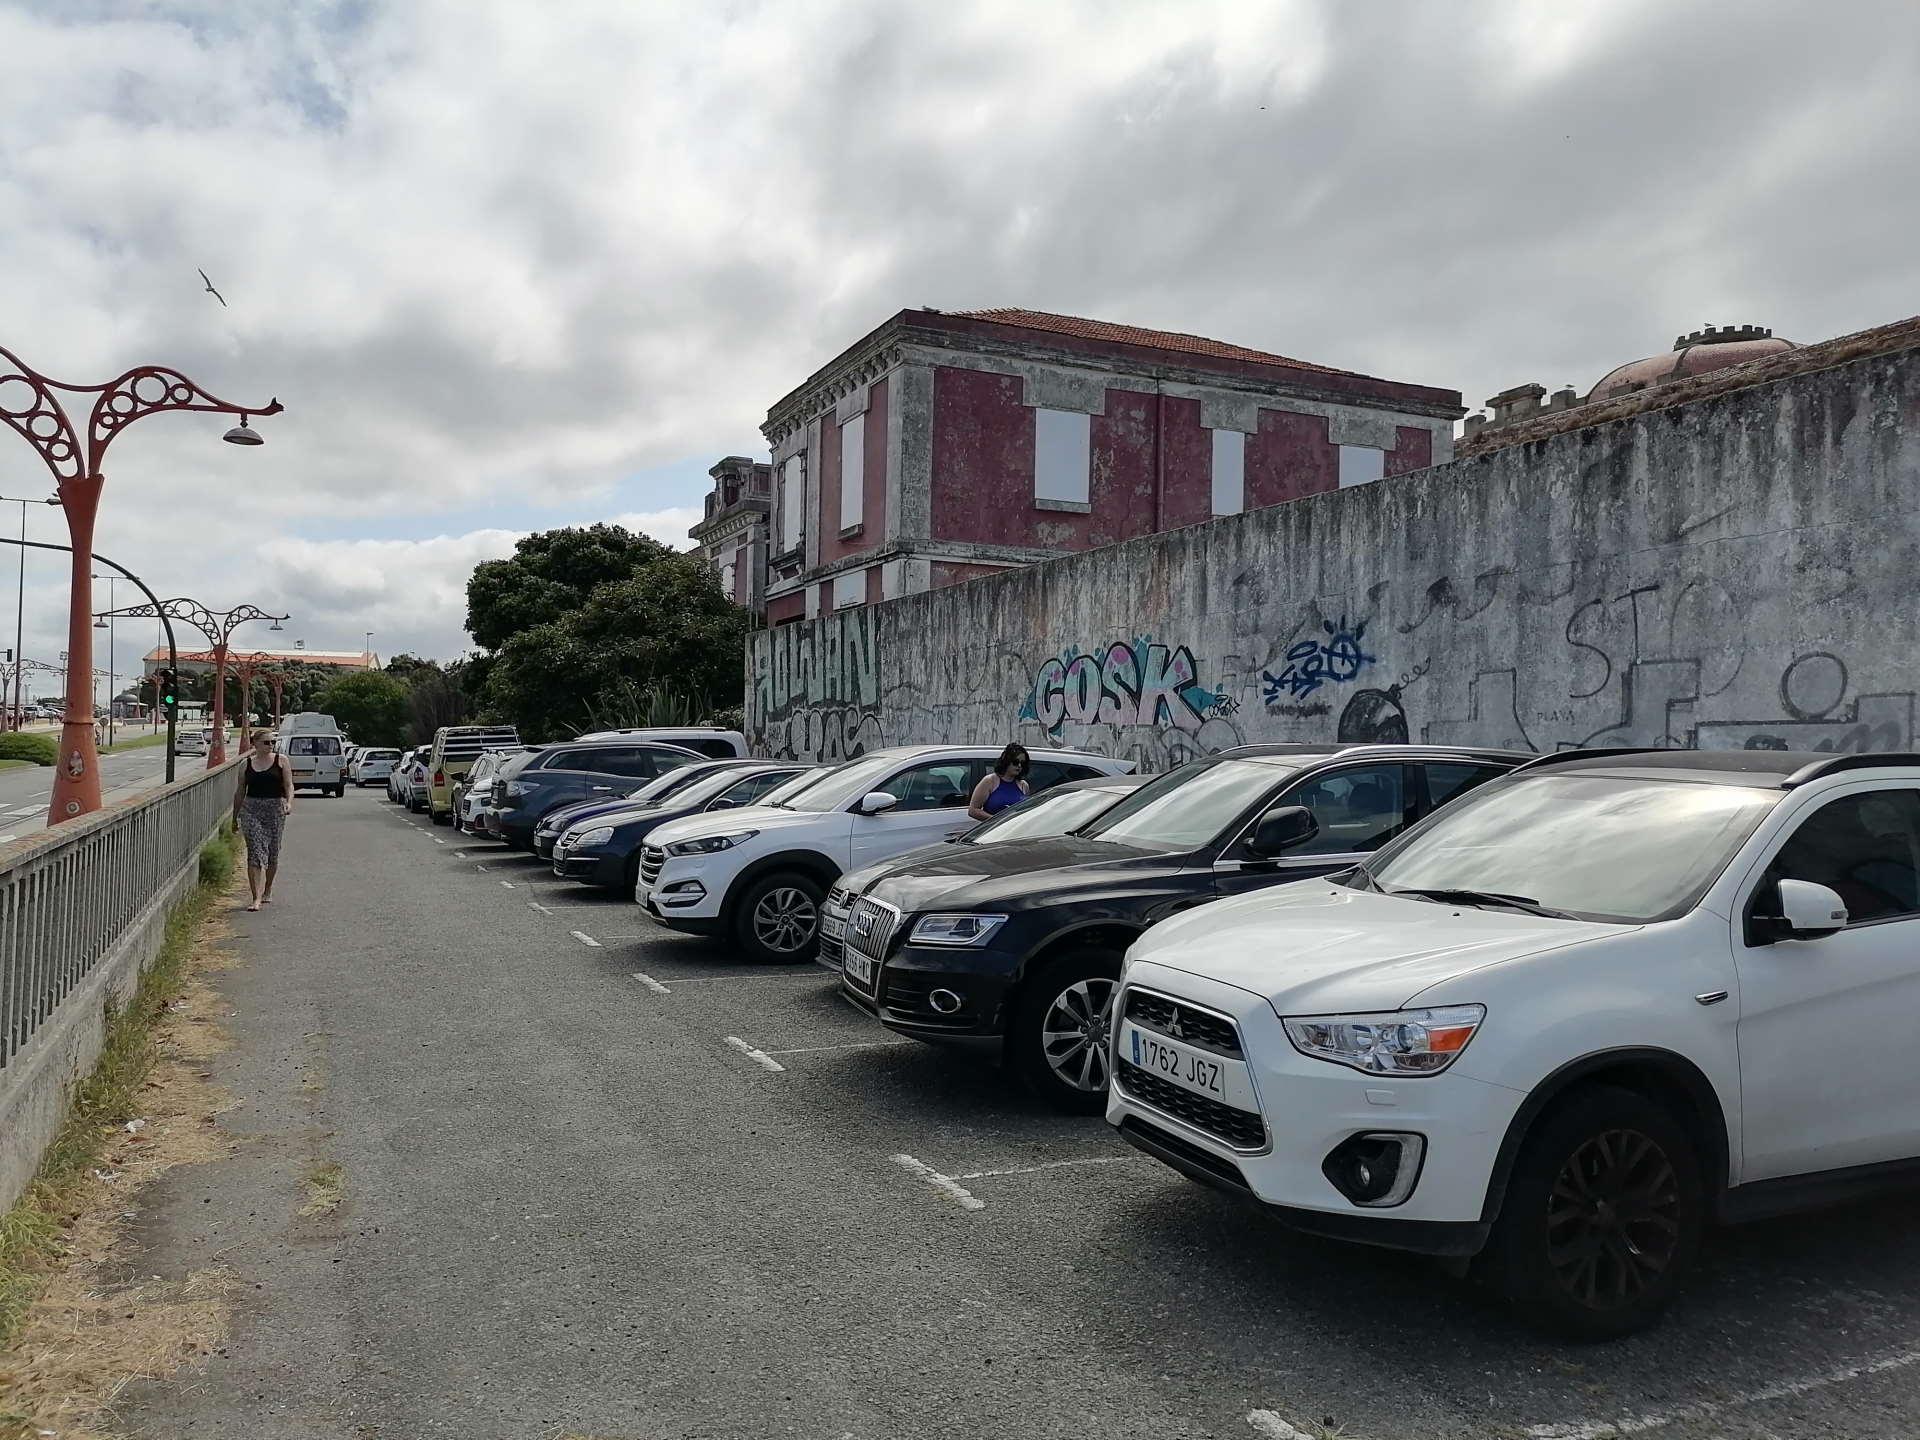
(1314, 662)
(1137, 682)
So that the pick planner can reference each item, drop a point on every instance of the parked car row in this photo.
(1544, 1017)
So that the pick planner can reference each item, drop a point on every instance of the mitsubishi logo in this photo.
(1173, 1025)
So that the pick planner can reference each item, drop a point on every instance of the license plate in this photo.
(858, 968)
(833, 927)
(1192, 1069)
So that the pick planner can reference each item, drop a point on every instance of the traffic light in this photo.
(169, 693)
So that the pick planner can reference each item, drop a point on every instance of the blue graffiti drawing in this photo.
(1141, 682)
(1316, 662)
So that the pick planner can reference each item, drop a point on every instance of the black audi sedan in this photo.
(1017, 947)
(604, 849)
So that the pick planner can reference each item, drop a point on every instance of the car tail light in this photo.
(439, 777)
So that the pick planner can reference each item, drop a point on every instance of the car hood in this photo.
(569, 816)
(1319, 948)
(741, 817)
(1047, 870)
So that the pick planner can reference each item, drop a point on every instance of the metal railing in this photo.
(68, 895)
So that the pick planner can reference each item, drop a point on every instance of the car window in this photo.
(1447, 781)
(659, 760)
(1053, 813)
(1866, 848)
(634, 761)
(938, 785)
(710, 745)
(1048, 773)
(1190, 807)
(1358, 809)
(745, 792)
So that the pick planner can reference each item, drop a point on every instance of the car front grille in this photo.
(831, 950)
(1180, 1021)
(840, 898)
(870, 928)
(1242, 1129)
(653, 860)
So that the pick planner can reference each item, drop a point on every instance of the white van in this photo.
(318, 759)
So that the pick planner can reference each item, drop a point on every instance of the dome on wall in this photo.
(1713, 348)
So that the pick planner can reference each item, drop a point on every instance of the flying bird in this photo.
(213, 292)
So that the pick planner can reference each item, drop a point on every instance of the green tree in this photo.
(373, 708)
(549, 575)
(438, 697)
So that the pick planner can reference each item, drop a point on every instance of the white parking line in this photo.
(1034, 1169)
(1265, 1422)
(436, 840)
(584, 938)
(862, 1045)
(651, 983)
(759, 1057)
(479, 869)
(507, 883)
(945, 1184)
(535, 905)
(1706, 1409)
(719, 979)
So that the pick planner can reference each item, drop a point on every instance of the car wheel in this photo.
(441, 817)
(1603, 1216)
(1060, 1029)
(779, 918)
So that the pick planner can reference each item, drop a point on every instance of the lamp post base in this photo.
(76, 780)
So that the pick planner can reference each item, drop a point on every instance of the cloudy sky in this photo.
(514, 265)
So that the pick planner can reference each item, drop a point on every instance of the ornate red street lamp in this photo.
(29, 404)
(248, 667)
(218, 626)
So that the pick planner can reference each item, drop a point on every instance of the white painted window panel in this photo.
(1361, 464)
(850, 589)
(1229, 472)
(853, 469)
(1062, 455)
(793, 501)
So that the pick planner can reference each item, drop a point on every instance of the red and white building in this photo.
(732, 535)
(942, 447)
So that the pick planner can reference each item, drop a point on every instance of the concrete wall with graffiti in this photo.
(1740, 572)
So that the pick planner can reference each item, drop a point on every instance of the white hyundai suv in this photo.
(1560, 1026)
(759, 873)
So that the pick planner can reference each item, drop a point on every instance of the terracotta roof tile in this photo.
(1136, 335)
(1861, 345)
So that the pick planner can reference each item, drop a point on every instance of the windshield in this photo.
(675, 780)
(708, 785)
(1189, 807)
(788, 788)
(1048, 813)
(840, 787)
(1596, 847)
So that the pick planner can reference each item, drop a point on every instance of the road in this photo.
(24, 791)
(576, 1207)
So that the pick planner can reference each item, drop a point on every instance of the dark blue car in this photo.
(604, 849)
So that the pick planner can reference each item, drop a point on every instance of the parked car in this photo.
(451, 755)
(473, 792)
(604, 850)
(759, 874)
(370, 764)
(1065, 807)
(192, 742)
(701, 739)
(529, 787)
(397, 781)
(1561, 1027)
(548, 831)
(414, 783)
(1017, 947)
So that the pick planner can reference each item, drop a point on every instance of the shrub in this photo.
(39, 749)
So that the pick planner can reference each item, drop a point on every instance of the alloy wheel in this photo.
(1073, 1035)
(784, 919)
(1613, 1219)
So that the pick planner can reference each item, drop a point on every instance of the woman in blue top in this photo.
(1007, 785)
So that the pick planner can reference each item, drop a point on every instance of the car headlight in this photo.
(518, 787)
(1398, 1042)
(599, 835)
(709, 844)
(955, 929)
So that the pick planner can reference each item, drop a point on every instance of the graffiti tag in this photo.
(1314, 662)
(1129, 683)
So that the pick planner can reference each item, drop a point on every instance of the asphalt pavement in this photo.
(24, 791)
(602, 1181)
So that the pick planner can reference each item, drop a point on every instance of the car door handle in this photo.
(1711, 997)
(601, 789)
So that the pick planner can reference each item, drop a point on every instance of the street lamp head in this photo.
(100, 622)
(276, 625)
(242, 434)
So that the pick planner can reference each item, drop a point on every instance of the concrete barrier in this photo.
(83, 910)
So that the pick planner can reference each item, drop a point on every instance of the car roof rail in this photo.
(1598, 752)
(1851, 760)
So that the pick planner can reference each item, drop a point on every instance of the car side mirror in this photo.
(721, 804)
(1808, 911)
(1282, 828)
(876, 802)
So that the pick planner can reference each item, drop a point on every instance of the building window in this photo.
(1229, 472)
(1062, 455)
(793, 501)
(853, 469)
(727, 573)
(1360, 464)
(850, 589)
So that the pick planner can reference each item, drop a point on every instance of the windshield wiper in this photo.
(1482, 897)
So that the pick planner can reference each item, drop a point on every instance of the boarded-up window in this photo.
(853, 469)
(1062, 455)
(1360, 464)
(850, 589)
(793, 501)
(1229, 472)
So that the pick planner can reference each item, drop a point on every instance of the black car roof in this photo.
(1100, 782)
(1782, 768)
(1299, 752)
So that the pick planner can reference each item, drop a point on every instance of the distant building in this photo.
(198, 660)
(1700, 353)
(732, 536)
(942, 447)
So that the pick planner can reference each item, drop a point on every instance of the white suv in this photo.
(1560, 1026)
(759, 873)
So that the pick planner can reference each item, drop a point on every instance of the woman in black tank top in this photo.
(261, 803)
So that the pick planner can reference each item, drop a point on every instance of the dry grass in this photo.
(78, 1337)
(326, 1187)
